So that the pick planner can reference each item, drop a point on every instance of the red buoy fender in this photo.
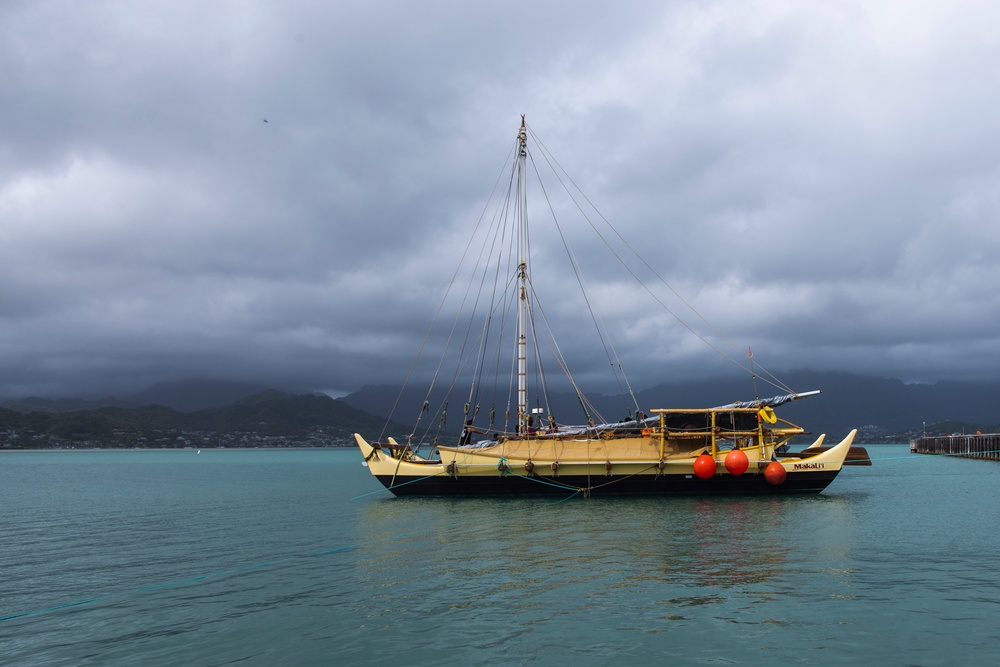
(704, 466)
(774, 473)
(737, 462)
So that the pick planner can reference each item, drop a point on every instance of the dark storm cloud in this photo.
(820, 179)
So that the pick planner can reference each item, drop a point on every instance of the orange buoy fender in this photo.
(704, 466)
(737, 462)
(774, 473)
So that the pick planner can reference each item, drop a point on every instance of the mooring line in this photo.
(930, 456)
(67, 605)
(395, 486)
(547, 482)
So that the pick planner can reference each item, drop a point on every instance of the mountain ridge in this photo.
(879, 407)
(270, 418)
(884, 410)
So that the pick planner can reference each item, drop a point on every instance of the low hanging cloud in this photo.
(279, 192)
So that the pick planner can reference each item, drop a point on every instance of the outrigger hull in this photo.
(463, 472)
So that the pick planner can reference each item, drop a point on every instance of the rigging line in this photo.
(500, 215)
(502, 309)
(532, 298)
(551, 159)
(508, 304)
(444, 299)
(457, 319)
(561, 361)
(483, 252)
(602, 332)
(599, 325)
(483, 341)
(464, 360)
(540, 380)
(498, 350)
(504, 249)
(511, 379)
(493, 310)
(475, 307)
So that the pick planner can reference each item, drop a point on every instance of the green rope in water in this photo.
(396, 486)
(929, 456)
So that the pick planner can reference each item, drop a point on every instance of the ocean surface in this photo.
(277, 557)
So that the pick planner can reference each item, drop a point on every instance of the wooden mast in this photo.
(522, 274)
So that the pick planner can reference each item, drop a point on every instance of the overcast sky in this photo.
(821, 178)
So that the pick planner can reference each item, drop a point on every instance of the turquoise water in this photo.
(282, 558)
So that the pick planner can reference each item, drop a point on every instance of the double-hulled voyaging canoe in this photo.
(734, 449)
